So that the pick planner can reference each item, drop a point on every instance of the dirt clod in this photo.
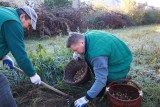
(30, 95)
(37, 96)
(122, 96)
(79, 75)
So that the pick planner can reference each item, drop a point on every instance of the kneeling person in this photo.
(108, 57)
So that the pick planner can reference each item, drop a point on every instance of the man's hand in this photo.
(81, 102)
(7, 62)
(36, 79)
(75, 56)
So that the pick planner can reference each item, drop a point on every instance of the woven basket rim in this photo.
(78, 81)
(125, 101)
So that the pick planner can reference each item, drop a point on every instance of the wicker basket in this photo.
(77, 72)
(125, 94)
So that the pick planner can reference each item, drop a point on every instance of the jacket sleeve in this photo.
(14, 36)
(100, 67)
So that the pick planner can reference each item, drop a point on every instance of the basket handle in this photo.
(138, 87)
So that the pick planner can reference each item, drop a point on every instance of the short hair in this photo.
(21, 11)
(73, 38)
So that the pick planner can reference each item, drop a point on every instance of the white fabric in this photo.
(36, 79)
(76, 56)
(81, 102)
(7, 58)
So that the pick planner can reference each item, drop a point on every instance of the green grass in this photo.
(144, 42)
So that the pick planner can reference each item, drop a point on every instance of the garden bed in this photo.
(37, 96)
(30, 95)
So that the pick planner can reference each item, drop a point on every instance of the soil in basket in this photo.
(122, 96)
(79, 74)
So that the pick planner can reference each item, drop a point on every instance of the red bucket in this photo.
(124, 93)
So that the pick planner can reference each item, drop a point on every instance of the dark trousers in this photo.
(6, 98)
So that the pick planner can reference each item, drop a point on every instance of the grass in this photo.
(145, 70)
(144, 44)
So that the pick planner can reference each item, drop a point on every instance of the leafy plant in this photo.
(49, 67)
(57, 3)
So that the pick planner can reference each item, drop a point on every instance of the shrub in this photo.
(104, 19)
(8, 4)
(133, 10)
(57, 3)
(49, 65)
(56, 21)
(151, 16)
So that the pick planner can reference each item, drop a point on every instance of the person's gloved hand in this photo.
(81, 102)
(75, 56)
(7, 62)
(36, 79)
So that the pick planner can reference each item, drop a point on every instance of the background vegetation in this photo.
(56, 18)
(50, 57)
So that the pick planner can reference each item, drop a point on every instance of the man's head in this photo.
(76, 42)
(28, 17)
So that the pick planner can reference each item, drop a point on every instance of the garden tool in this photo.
(49, 87)
(44, 84)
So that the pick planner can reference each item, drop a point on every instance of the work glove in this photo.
(36, 79)
(81, 102)
(76, 56)
(7, 62)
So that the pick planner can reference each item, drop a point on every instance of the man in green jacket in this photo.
(12, 25)
(108, 57)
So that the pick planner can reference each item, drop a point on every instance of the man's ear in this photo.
(22, 16)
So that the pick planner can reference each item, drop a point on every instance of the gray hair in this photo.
(73, 38)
